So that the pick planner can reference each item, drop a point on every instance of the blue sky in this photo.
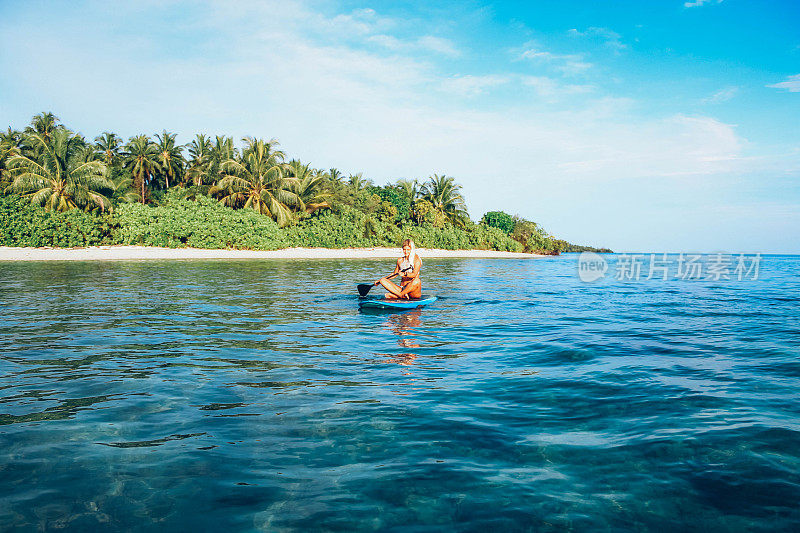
(643, 126)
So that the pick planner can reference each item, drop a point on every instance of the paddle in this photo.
(363, 288)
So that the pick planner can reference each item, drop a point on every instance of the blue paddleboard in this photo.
(383, 303)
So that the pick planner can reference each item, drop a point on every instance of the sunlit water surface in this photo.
(253, 395)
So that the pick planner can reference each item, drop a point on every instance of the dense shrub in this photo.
(363, 200)
(451, 238)
(24, 225)
(488, 238)
(500, 220)
(350, 228)
(423, 212)
(397, 198)
(5, 181)
(347, 228)
(387, 212)
(203, 223)
(532, 236)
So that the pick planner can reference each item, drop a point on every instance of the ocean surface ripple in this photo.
(253, 395)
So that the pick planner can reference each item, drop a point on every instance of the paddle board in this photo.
(383, 303)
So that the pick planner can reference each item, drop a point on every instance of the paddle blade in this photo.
(363, 288)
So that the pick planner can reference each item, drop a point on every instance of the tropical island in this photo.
(59, 190)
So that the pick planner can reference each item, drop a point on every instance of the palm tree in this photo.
(109, 147)
(358, 182)
(335, 175)
(124, 188)
(11, 137)
(197, 168)
(310, 186)
(410, 188)
(88, 153)
(141, 158)
(445, 196)
(170, 157)
(221, 150)
(108, 144)
(60, 178)
(43, 124)
(223, 146)
(257, 180)
(10, 142)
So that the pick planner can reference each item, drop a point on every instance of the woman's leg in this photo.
(394, 290)
(412, 290)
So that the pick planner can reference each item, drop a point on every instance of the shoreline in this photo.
(144, 253)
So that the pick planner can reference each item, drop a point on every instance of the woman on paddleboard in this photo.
(408, 268)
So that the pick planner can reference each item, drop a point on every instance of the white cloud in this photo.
(426, 43)
(608, 37)
(699, 3)
(565, 63)
(302, 89)
(723, 95)
(470, 86)
(676, 146)
(792, 84)
(438, 44)
(360, 21)
(549, 87)
(387, 41)
(339, 104)
(543, 86)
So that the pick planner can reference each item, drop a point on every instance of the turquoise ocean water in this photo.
(253, 395)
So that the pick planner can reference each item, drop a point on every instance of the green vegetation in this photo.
(57, 189)
(23, 224)
(55, 171)
(258, 180)
(500, 220)
(199, 223)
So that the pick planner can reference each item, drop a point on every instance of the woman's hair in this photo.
(413, 255)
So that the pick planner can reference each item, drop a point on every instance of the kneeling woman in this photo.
(408, 268)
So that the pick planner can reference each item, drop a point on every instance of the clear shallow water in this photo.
(252, 395)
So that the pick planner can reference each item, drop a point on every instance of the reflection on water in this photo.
(133, 394)
(402, 325)
(405, 325)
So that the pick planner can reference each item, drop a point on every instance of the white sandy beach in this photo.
(138, 253)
